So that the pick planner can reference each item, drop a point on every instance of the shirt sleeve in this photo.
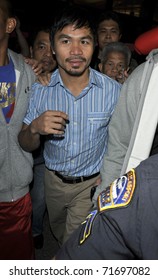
(33, 110)
(120, 130)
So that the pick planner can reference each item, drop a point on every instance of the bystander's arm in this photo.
(24, 47)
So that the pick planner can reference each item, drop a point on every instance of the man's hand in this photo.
(93, 189)
(98, 181)
(122, 76)
(44, 78)
(50, 122)
(35, 65)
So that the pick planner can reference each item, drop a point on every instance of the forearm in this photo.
(49, 122)
(28, 138)
(23, 43)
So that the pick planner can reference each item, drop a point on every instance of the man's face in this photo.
(73, 49)
(42, 52)
(114, 66)
(108, 31)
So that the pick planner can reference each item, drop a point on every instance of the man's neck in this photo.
(4, 59)
(75, 83)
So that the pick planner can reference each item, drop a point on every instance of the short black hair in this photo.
(110, 15)
(78, 16)
(34, 32)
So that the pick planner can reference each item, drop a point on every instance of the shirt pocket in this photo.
(98, 124)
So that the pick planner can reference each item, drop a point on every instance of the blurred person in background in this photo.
(115, 61)
(40, 50)
(109, 29)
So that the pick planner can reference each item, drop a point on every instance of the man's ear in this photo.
(120, 37)
(11, 24)
(100, 66)
(31, 51)
(128, 69)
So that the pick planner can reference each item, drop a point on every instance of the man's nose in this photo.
(108, 34)
(48, 52)
(76, 48)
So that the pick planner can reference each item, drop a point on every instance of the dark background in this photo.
(32, 13)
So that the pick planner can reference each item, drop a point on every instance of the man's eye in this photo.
(115, 31)
(110, 64)
(85, 42)
(120, 66)
(66, 41)
(41, 47)
(102, 32)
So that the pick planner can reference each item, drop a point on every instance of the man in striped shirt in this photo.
(73, 111)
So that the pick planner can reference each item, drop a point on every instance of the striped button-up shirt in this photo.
(80, 151)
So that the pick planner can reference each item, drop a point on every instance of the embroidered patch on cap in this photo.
(119, 193)
(87, 226)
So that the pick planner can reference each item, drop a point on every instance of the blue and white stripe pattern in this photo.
(81, 151)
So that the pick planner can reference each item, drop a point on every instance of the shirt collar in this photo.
(93, 78)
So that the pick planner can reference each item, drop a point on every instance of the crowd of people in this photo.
(75, 108)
